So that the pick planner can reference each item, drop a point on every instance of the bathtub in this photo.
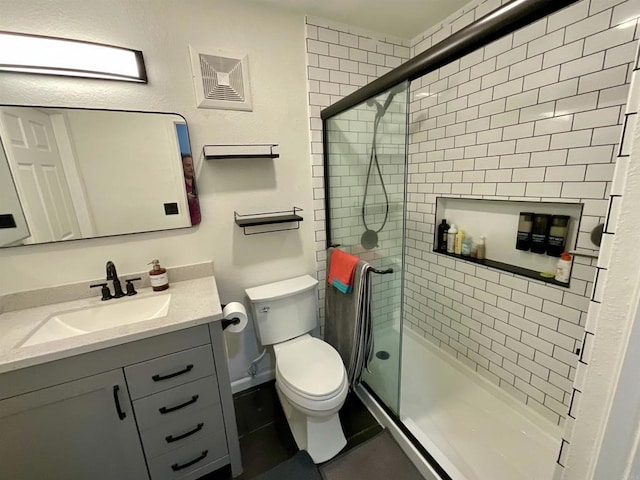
(473, 429)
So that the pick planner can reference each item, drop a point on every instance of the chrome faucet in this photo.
(112, 275)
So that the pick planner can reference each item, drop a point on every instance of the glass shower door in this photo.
(366, 169)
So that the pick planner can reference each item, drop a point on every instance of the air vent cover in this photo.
(221, 80)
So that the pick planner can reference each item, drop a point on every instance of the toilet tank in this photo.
(284, 310)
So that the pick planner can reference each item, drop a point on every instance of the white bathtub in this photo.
(474, 430)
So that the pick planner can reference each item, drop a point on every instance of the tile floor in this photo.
(265, 439)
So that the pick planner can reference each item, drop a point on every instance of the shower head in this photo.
(392, 93)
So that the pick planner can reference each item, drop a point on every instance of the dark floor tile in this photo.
(256, 408)
(355, 417)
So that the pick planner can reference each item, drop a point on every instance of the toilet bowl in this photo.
(311, 380)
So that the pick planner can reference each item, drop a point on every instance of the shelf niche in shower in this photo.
(497, 220)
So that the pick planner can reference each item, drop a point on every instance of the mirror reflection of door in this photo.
(13, 225)
(39, 174)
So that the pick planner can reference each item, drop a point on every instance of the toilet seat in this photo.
(311, 369)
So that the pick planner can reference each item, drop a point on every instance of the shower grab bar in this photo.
(374, 270)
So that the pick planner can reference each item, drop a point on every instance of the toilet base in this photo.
(321, 436)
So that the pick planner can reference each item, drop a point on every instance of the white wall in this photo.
(163, 30)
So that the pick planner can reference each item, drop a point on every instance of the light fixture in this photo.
(26, 53)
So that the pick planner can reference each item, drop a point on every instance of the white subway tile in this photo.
(530, 32)
(528, 174)
(600, 5)
(583, 189)
(549, 158)
(525, 67)
(522, 100)
(502, 148)
(563, 54)
(502, 175)
(597, 118)
(504, 119)
(559, 90)
(480, 97)
(579, 103)
(314, 46)
(507, 89)
(582, 66)
(554, 125)
(546, 189)
(546, 43)
(588, 26)
(515, 161)
(598, 154)
(537, 112)
(542, 78)
(568, 15)
(580, 138)
(512, 56)
(613, 96)
(606, 78)
(498, 46)
(574, 173)
(495, 78)
(484, 189)
(483, 68)
(518, 131)
(608, 39)
(484, 163)
(491, 108)
(326, 35)
(606, 135)
(534, 144)
(625, 53)
(625, 12)
(600, 172)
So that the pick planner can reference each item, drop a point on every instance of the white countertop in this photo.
(193, 302)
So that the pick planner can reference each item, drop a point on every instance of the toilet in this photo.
(311, 380)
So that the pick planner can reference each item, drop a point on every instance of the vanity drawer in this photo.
(190, 461)
(154, 410)
(161, 373)
(174, 433)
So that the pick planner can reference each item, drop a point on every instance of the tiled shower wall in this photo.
(340, 60)
(535, 116)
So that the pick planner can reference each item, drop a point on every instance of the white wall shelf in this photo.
(262, 150)
(497, 220)
(268, 220)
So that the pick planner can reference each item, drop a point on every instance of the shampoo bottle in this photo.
(158, 277)
(457, 249)
(443, 231)
(451, 238)
(482, 252)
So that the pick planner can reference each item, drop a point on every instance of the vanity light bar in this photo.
(26, 53)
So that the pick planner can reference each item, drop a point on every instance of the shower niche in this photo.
(498, 221)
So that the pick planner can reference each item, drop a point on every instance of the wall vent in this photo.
(221, 80)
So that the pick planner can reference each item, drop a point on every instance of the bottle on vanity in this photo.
(158, 277)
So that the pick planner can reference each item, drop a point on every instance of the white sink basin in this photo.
(115, 313)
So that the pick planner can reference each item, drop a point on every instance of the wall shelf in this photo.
(497, 220)
(525, 272)
(268, 220)
(263, 150)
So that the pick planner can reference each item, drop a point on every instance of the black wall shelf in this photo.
(524, 272)
(268, 219)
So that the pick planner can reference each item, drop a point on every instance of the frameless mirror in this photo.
(70, 173)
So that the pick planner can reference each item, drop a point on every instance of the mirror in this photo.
(70, 173)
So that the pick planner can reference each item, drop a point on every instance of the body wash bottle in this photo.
(451, 238)
(459, 239)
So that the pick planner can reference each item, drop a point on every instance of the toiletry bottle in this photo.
(451, 238)
(482, 249)
(467, 244)
(443, 230)
(457, 249)
(523, 239)
(158, 277)
(540, 232)
(557, 235)
(563, 269)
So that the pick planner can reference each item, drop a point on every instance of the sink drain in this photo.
(382, 355)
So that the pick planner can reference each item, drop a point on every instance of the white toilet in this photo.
(311, 380)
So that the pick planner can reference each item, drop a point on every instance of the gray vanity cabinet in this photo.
(154, 409)
(91, 417)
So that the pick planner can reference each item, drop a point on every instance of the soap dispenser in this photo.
(158, 276)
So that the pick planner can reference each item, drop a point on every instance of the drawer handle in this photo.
(171, 438)
(175, 467)
(116, 400)
(164, 410)
(158, 378)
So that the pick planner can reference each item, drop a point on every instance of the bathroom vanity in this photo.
(149, 399)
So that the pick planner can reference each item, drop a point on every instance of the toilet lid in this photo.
(312, 367)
